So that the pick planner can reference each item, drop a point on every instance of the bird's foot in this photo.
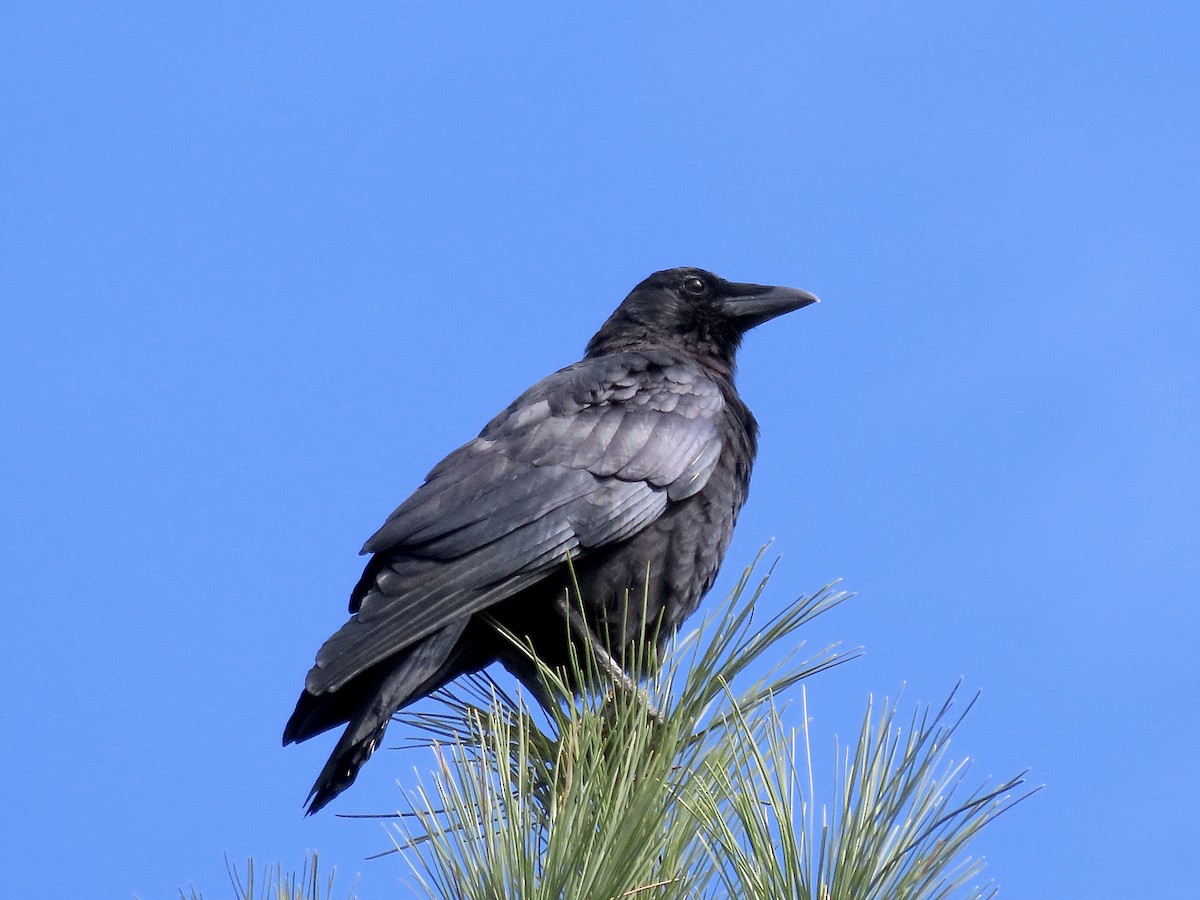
(605, 660)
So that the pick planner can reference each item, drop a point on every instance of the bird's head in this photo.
(693, 311)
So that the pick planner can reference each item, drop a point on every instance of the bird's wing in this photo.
(587, 457)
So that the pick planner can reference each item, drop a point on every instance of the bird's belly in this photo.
(638, 591)
(655, 580)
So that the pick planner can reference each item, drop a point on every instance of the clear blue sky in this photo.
(262, 267)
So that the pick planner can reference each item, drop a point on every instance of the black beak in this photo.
(752, 304)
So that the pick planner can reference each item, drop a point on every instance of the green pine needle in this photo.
(692, 786)
(276, 884)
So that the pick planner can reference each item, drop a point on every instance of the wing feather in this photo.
(589, 456)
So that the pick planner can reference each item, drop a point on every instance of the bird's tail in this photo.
(353, 749)
(425, 668)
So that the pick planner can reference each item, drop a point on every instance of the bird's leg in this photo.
(582, 631)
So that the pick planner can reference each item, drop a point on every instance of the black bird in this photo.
(634, 460)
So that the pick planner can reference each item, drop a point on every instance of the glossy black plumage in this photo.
(637, 456)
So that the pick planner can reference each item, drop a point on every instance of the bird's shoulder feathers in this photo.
(629, 424)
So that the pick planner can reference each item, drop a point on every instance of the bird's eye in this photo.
(694, 285)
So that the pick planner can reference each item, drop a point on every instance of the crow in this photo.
(632, 464)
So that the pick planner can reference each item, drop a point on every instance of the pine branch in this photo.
(692, 786)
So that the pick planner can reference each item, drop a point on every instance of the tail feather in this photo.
(317, 713)
(353, 749)
(425, 668)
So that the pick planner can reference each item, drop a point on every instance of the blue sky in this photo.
(263, 266)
